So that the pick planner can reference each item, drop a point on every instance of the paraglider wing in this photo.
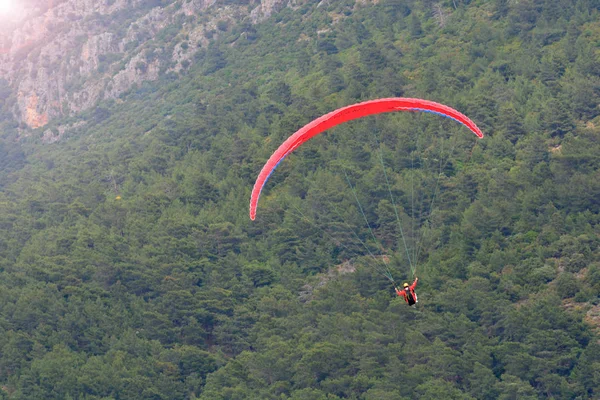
(345, 114)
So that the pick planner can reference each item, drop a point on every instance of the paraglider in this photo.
(349, 113)
(408, 292)
(345, 114)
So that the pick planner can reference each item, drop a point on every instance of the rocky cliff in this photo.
(65, 57)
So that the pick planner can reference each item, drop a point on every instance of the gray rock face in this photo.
(66, 58)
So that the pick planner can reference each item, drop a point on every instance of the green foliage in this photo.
(130, 268)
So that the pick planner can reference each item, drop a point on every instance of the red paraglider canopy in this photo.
(349, 113)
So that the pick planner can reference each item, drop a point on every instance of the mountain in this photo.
(130, 267)
(65, 57)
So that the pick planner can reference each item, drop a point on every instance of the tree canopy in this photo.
(130, 268)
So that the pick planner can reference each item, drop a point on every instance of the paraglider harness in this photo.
(410, 299)
(408, 292)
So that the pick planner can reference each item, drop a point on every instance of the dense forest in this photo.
(130, 269)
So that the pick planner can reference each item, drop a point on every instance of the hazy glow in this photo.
(6, 6)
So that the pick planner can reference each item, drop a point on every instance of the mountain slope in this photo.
(131, 269)
(77, 53)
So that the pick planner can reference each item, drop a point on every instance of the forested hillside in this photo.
(131, 270)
